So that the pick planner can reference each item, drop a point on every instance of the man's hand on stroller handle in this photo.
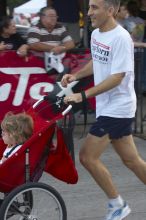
(67, 78)
(75, 98)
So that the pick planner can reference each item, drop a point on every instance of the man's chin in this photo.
(94, 25)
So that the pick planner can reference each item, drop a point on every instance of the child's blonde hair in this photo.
(20, 126)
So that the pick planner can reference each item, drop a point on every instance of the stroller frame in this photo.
(24, 202)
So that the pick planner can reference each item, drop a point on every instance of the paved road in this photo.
(85, 200)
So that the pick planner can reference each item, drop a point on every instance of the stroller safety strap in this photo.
(10, 151)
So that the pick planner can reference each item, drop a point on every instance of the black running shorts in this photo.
(114, 127)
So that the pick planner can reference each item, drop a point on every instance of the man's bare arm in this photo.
(41, 47)
(68, 45)
(109, 83)
(63, 47)
(48, 48)
(87, 70)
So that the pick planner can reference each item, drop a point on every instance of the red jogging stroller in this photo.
(24, 197)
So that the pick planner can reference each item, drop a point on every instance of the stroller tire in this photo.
(33, 201)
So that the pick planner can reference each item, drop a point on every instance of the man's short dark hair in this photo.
(44, 9)
(115, 3)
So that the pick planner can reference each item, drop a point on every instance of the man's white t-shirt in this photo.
(112, 53)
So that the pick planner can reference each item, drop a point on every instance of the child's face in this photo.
(7, 138)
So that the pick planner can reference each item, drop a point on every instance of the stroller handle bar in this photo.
(67, 110)
(69, 107)
(37, 103)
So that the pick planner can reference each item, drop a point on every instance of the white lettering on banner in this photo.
(5, 91)
(21, 89)
(22, 83)
(22, 70)
(36, 88)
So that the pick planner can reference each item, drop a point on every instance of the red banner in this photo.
(24, 81)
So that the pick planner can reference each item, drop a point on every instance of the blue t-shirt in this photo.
(67, 10)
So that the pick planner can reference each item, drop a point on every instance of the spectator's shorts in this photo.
(114, 127)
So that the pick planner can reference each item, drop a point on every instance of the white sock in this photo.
(117, 201)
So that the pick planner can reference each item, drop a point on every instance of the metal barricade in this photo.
(140, 119)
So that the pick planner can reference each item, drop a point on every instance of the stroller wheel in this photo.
(22, 205)
(1, 201)
(33, 201)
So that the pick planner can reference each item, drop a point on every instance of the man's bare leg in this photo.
(90, 152)
(126, 149)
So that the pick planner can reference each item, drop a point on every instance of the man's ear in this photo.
(116, 11)
(112, 11)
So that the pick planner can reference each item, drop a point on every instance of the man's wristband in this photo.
(83, 94)
(84, 107)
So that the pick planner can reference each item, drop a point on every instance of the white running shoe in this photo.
(118, 213)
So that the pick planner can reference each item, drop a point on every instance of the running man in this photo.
(113, 67)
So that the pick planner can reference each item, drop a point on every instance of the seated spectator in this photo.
(134, 24)
(122, 14)
(49, 35)
(68, 14)
(9, 39)
(16, 129)
(50, 38)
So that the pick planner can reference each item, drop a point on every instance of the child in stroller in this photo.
(26, 198)
(16, 129)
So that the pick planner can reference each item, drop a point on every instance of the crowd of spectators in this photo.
(68, 14)
(132, 16)
(50, 38)
(129, 17)
(57, 28)
(49, 35)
